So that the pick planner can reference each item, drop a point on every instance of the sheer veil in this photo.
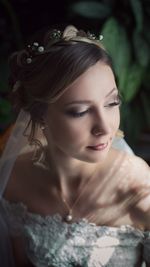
(17, 142)
(120, 143)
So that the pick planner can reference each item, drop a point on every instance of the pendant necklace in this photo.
(69, 216)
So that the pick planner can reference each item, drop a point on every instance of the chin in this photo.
(96, 159)
(95, 156)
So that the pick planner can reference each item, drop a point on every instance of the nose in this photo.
(100, 125)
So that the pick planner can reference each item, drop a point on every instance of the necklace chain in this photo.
(69, 216)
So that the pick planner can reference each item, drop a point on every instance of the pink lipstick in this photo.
(99, 147)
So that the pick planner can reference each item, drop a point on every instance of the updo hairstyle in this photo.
(38, 79)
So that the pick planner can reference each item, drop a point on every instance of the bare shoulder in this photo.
(134, 172)
(134, 165)
(138, 174)
(21, 178)
(139, 170)
(139, 163)
(23, 165)
(136, 188)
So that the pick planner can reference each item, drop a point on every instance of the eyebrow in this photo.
(88, 101)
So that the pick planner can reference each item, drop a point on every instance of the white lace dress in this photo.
(49, 241)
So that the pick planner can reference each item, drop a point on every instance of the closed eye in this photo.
(116, 102)
(77, 114)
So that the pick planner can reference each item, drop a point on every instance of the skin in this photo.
(116, 176)
(69, 134)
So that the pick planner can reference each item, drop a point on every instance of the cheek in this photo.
(115, 120)
(65, 131)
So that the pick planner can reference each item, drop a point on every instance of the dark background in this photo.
(125, 25)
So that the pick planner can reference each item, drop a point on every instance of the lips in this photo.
(99, 147)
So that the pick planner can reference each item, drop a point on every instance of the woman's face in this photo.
(83, 121)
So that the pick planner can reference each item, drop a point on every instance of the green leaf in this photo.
(142, 50)
(117, 44)
(129, 116)
(123, 57)
(134, 78)
(138, 13)
(146, 80)
(91, 9)
(110, 31)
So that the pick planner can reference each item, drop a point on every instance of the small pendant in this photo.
(68, 218)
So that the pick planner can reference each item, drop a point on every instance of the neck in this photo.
(67, 171)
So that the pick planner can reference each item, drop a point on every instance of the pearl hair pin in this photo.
(71, 33)
(33, 50)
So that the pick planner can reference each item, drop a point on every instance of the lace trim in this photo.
(46, 229)
(19, 212)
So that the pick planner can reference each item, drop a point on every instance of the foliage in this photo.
(11, 37)
(92, 9)
(125, 26)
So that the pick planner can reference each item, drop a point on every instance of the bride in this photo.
(72, 192)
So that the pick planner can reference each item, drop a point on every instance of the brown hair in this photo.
(48, 75)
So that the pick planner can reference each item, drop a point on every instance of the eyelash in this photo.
(80, 114)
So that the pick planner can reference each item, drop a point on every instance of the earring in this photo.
(42, 126)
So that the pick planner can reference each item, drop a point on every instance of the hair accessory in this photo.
(29, 60)
(33, 50)
(91, 36)
(70, 33)
(101, 37)
(55, 34)
(43, 127)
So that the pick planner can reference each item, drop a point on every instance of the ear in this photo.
(70, 32)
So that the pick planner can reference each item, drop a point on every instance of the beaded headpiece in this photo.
(55, 36)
